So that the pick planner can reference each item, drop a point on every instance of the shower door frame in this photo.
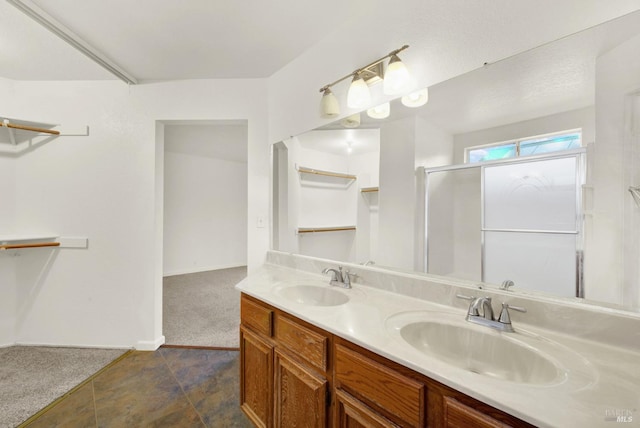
(581, 174)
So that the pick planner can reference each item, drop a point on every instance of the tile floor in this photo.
(171, 387)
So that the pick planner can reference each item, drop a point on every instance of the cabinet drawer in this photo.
(351, 413)
(458, 415)
(305, 343)
(380, 386)
(255, 316)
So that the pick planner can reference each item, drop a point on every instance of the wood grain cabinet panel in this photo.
(380, 386)
(289, 369)
(300, 395)
(303, 342)
(458, 415)
(256, 316)
(256, 379)
(351, 413)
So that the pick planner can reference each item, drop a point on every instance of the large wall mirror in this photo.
(524, 170)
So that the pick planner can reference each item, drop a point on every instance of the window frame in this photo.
(518, 141)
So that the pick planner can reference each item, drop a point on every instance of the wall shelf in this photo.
(369, 189)
(305, 170)
(16, 131)
(20, 134)
(325, 229)
(16, 242)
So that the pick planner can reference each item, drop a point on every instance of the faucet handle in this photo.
(506, 284)
(473, 307)
(504, 314)
(346, 277)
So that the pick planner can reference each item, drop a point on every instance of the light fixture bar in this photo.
(53, 25)
(361, 69)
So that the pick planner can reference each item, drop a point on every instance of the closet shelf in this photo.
(15, 242)
(369, 189)
(16, 131)
(305, 170)
(29, 245)
(325, 229)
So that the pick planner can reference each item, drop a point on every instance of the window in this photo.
(549, 143)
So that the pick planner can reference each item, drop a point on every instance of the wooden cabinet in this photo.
(352, 413)
(400, 398)
(301, 398)
(458, 415)
(284, 369)
(294, 374)
(256, 378)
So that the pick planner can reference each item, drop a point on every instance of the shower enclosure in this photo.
(518, 220)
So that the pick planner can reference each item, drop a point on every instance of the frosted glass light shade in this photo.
(329, 106)
(352, 121)
(379, 112)
(416, 99)
(358, 95)
(397, 78)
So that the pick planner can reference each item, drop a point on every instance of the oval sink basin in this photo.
(521, 357)
(313, 295)
(489, 354)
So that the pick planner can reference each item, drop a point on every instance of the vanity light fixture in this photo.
(397, 79)
(381, 111)
(329, 106)
(416, 99)
(358, 95)
(352, 121)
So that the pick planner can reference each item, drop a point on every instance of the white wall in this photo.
(434, 146)
(104, 187)
(205, 197)
(446, 38)
(7, 216)
(604, 253)
(397, 195)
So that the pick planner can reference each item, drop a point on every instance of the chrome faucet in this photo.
(486, 318)
(338, 277)
(481, 303)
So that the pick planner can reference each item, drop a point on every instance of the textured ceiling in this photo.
(166, 40)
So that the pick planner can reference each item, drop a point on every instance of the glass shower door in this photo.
(531, 226)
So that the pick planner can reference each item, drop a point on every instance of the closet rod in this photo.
(34, 245)
(30, 128)
(326, 173)
(325, 229)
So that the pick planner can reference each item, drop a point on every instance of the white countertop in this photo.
(600, 381)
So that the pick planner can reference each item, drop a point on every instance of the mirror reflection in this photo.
(517, 174)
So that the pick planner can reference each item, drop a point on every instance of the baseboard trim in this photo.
(206, 348)
(201, 269)
(150, 345)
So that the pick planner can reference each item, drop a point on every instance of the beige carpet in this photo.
(32, 377)
(202, 309)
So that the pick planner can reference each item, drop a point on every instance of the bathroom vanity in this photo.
(296, 374)
(384, 356)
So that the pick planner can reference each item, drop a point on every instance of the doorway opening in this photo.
(204, 231)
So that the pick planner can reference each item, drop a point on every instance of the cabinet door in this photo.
(300, 395)
(458, 415)
(256, 378)
(351, 413)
